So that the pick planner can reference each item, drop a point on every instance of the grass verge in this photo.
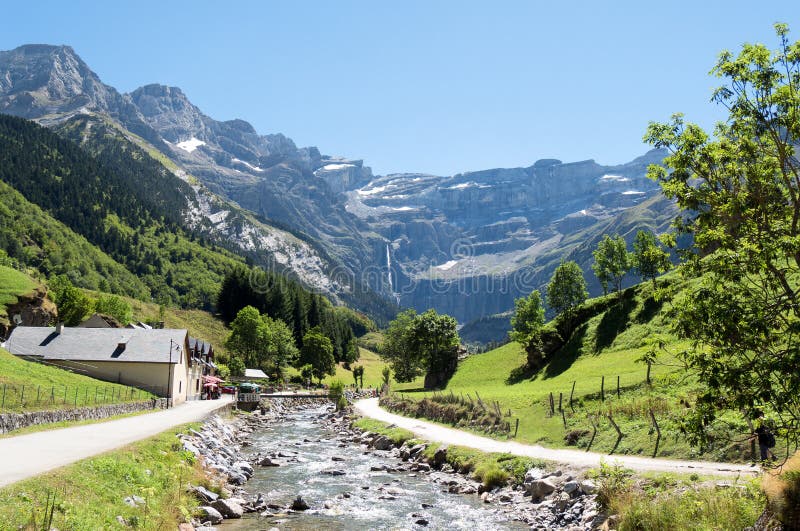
(90, 494)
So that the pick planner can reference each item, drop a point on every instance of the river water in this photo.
(377, 500)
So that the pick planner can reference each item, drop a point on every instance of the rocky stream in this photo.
(302, 466)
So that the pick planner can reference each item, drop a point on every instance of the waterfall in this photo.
(389, 268)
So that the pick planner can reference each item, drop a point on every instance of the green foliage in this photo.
(396, 347)
(262, 342)
(358, 374)
(567, 287)
(613, 484)
(386, 374)
(307, 372)
(317, 351)
(527, 323)
(282, 299)
(73, 305)
(114, 306)
(236, 366)
(740, 199)
(336, 390)
(491, 475)
(649, 260)
(422, 343)
(223, 371)
(611, 261)
(701, 508)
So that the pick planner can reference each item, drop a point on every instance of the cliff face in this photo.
(466, 244)
(34, 309)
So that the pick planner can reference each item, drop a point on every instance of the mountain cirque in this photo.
(465, 244)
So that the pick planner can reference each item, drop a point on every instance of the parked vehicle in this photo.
(229, 389)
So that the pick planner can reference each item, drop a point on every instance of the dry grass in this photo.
(782, 487)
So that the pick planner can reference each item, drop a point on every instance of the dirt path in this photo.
(29, 455)
(577, 458)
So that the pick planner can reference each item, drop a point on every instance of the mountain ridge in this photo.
(397, 234)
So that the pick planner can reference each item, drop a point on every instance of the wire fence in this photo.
(15, 398)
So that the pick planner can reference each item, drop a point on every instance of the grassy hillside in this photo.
(90, 494)
(33, 238)
(606, 345)
(13, 283)
(47, 387)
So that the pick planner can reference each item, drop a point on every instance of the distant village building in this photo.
(255, 374)
(166, 362)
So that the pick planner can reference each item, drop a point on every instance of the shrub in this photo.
(491, 475)
(614, 486)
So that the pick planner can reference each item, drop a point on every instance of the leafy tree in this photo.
(567, 287)
(739, 192)
(397, 348)
(526, 326)
(358, 374)
(246, 336)
(262, 341)
(223, 371)
(611, 261)
(318, 352)
(649, 259)
(114, 306)
(306, 372)
(434, 337)
(236, 366)
(386, 373)
(426, 343)
(72, 304)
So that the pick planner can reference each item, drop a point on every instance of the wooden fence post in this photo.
(570, 396)
(603, 389)
(564, 419)
(3, 403)
(516, 427)
(594, 432)
(560, 397)
(552, 405)
(619, 433)
(618, 386)
(658, 432)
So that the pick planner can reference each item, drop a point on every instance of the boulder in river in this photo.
(268, 462)
(540, 488)
(440, 457)
(205, 495)
(210, 514)
(228, 509)
(299, 504)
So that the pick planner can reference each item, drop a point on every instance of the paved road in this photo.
(29, 455)
(436, 433)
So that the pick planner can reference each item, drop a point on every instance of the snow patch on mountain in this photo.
(190, 145)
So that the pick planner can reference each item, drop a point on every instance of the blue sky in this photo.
(438, 87)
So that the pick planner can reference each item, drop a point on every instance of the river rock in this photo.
(333, 472)
(382, 443)
(540, 488)
(299, 504)
(228, 509)
(337, 458)
(209, 514)
(588, 486)
(245, 467)
(421, 521)
(571, 486)
(268, 462)
(205, 495)
(440, 457)
(533, 474)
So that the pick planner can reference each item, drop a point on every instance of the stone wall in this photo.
(15, 421)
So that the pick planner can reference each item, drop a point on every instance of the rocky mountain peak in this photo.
(38, 79)
(169, 111)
